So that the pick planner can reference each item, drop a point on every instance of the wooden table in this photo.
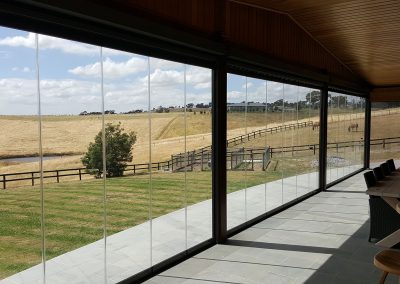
(389, 191)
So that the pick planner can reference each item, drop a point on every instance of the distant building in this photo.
(285, 109)
(241, 107)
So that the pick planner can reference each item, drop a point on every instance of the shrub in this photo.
(118, 151)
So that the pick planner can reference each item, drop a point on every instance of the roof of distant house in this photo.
(248, 104)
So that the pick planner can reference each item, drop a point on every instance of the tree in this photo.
(118, 151)
(313, 98)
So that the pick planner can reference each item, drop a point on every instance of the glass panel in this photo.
(255, 148)
(20, 203)
(385, 143)
(198, 146)
(168, 197)
(276, 156)
(274, 142)
(73, 197)
(236, 134)
(289, 123)
(312, 111)
(127, 154)
(346, 120)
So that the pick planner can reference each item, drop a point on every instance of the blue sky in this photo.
(70, 79)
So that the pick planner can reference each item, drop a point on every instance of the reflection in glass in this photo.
(276, 159)
(346, 116)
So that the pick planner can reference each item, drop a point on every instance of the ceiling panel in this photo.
(362, 34)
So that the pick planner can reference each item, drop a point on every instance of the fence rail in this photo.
(198, 158)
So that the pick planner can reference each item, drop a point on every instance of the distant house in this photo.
(241, 107)
(285, 109)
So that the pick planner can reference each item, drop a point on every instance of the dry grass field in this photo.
(70, 135)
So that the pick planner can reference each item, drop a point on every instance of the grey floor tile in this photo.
(321, 240)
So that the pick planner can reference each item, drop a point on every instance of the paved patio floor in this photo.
(320, 240)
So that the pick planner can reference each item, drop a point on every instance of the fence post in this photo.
(134, 169)
(314, 149)
(263, 160)
(80, 174)
(158, 166)
(33, 179)
(252, 159)
(58, 178)
(4, 181)
(201, 161)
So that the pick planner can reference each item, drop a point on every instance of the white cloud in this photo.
(161, 78)
(63, 45)
(22, 69)
(275, 91)
(71, 96)
(199, 77)
(236, 97)
(19, 96)
(249, 85)
(111, 69)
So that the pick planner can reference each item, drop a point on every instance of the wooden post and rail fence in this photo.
(200, 158)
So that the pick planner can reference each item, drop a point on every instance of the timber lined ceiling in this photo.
(242, 25)
(357, 40)
(363, 34)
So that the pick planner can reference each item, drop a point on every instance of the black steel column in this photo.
(219, 152)
(367, 132)
(323, 137)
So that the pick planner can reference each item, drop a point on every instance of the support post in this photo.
(323, 137)
(219, 98)
(367, 133)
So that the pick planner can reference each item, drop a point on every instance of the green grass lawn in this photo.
(73, 210)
